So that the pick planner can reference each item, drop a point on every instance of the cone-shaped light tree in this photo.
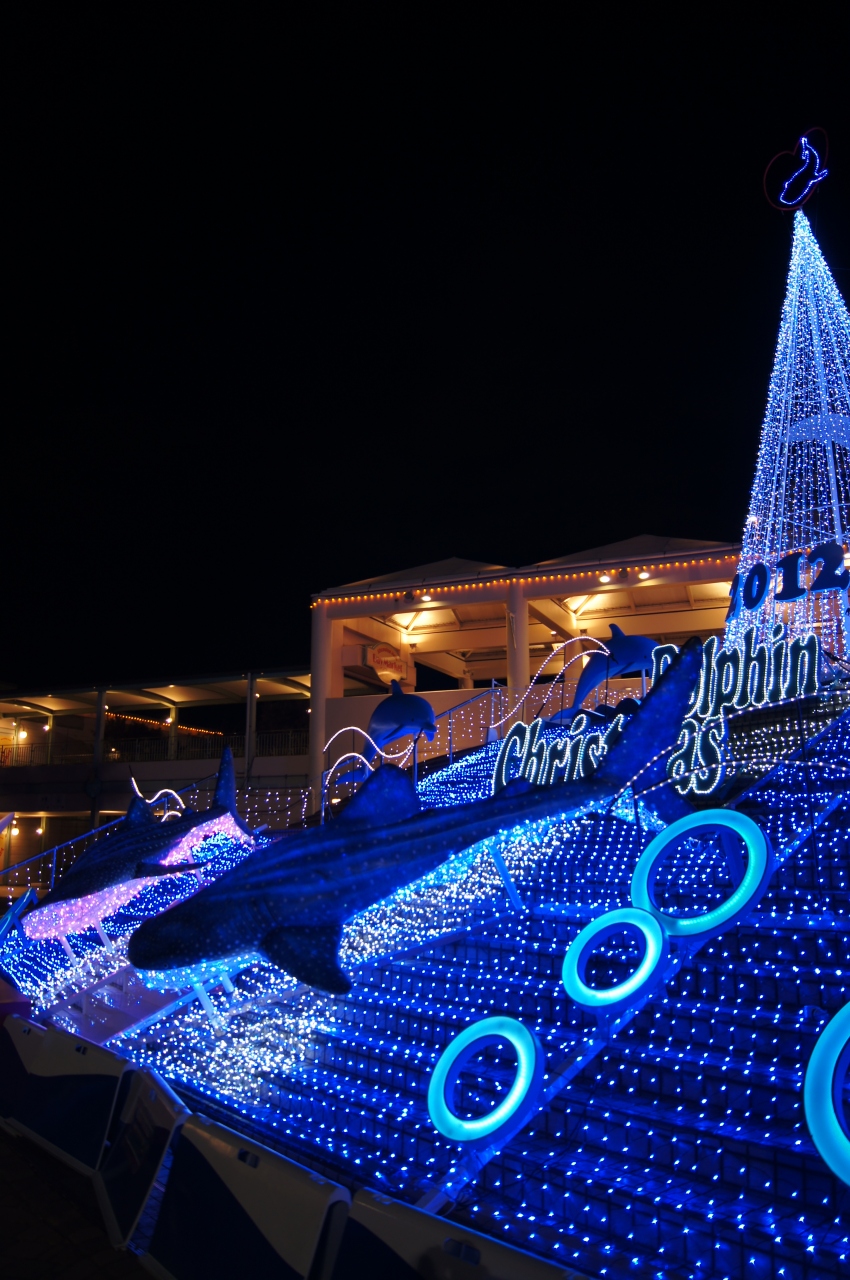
(801, 493)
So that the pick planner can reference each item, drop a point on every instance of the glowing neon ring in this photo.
(759, 870)
(521, 1098)
(612, 999)
(823, 1094)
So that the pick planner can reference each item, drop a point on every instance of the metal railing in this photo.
(483, 718)
(282, 742)
(276, 809)
(487, 716)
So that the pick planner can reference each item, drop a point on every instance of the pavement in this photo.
(52, 1228)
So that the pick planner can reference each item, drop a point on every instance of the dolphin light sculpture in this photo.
(124, 861)
(288, 901)
(797, 188)
(397, 715)
(625, 653)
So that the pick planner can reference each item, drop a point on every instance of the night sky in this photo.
(293, 306)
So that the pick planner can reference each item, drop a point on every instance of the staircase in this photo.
(681, 1151)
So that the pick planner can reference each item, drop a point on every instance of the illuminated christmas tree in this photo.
(800, 503)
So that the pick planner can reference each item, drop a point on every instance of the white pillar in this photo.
(320, 686)
(517, 642)
(336, 688)
(173, 732)
(250, 726)
(94, 784)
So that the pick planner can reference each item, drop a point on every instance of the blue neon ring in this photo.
(529, 1074)
(753, 885)
(607, 999)
(822, 1093)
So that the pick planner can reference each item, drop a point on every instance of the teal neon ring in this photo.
(606, 999)
(753, 885)
(822, 1092)
(529, 1074)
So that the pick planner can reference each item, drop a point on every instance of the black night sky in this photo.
(293, 306)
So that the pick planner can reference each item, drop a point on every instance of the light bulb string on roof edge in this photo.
(662, 564)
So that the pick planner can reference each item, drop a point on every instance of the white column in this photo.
(250, 726)
(173, 732)
(320, 686)
(336, 689)
(94, 785)
(516, 625)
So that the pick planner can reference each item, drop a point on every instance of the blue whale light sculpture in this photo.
(288, 902)
(124, 861)
(625, 653)
(397, 715)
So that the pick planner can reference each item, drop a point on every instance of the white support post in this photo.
(517, 643)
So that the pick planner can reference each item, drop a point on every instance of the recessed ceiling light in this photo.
(426, 596)
(643, 575)
(604, 577)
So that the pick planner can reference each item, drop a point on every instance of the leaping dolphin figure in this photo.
(397, 715)
(126, 860)
(808, 175)
(288, 901)
(625, 653)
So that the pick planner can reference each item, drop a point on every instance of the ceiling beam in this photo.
(552, 615)
(48, 711)
(150, 697)
(294, 686)
(374, 629)
(447, 663)
(476, 638)
(664, 620)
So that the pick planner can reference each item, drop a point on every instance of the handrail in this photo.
(488, 693)
(16, 866)
(84, 835)
(596, 646)
(355, 728)
(485, 693)
(558, 649)
(151, 748)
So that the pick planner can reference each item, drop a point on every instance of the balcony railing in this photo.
(283, 742)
